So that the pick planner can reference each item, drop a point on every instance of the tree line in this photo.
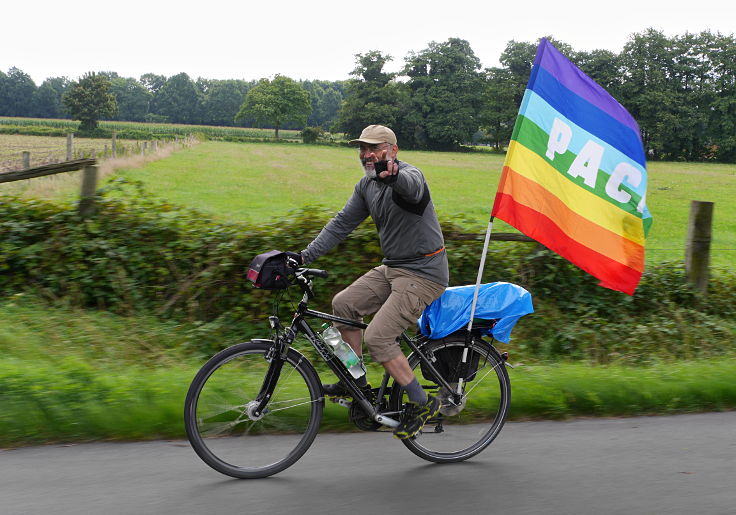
(157, 98)
(680, 89)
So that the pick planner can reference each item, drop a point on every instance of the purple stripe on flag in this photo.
(570, 76)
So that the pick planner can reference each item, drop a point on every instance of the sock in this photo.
(416, 393)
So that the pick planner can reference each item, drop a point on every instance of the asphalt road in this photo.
(647, 465)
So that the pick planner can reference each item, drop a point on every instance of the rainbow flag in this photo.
(575, 178)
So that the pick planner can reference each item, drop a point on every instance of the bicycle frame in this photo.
(286, 336)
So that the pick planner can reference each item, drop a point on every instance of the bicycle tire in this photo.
(229, 439)
(464, 434)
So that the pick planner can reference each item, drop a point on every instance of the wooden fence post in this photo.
(69, 146)
(89, 188)
(114, 144)
(26, 160)
(697, 247)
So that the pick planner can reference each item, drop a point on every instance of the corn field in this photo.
(155, 129)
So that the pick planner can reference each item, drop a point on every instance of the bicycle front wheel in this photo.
(461, 430)
(219, 411)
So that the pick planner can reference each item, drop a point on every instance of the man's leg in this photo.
(364, 297)
(399, 369)
(410, 294)
(353, 337)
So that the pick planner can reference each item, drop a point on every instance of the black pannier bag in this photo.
(448, 362)
(269, 271)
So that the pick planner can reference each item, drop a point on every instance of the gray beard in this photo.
(369, 172)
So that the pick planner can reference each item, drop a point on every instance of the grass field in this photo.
(258, 182)
(262, 182)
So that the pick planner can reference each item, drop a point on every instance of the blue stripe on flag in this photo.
(586, 115)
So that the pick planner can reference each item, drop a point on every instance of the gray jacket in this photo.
(407, 224)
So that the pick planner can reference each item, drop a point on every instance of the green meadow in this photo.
(260, 182)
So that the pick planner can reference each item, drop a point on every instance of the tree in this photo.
(47, 98)
(132, 98)
(153, 82)
(722, 123)
(90, 100)
(16, 93)
(326, 99)
(222, 100)
(178, 100)
(276, 102)
(446, 94)
(372, 97)
(498, 109)
(603, 66)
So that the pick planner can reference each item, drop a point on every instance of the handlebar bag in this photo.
(269, 271)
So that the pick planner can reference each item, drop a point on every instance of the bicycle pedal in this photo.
(342, 401)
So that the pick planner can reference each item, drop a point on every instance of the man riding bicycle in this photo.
(413, 274)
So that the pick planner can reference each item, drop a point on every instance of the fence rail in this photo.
(41, 171)
(15, 158)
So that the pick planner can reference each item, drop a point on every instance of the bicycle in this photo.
(254, 408)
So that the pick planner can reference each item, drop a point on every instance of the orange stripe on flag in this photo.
(529, 193)
(612, 274)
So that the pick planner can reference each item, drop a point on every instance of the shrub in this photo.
(311, 135)
(140, 254)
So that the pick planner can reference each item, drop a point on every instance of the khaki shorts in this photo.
(396, 296)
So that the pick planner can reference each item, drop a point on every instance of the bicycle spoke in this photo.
(477, 381)
(310, 401)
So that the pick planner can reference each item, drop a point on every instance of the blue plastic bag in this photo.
(504, 302)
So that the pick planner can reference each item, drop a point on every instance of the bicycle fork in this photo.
(276, 357)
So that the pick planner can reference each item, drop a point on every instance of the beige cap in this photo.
(374, 135)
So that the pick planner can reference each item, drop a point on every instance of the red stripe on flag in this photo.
(534, 224)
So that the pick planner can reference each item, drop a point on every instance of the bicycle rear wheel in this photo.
(460, 431)
(219, 406)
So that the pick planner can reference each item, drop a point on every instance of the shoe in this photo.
(339, 390)
(415, 416)
(335, 390)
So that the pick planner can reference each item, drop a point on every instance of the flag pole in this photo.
(480, 272)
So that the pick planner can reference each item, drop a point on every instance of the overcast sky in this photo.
(315, 39)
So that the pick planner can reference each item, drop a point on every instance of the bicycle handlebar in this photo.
(314, 272)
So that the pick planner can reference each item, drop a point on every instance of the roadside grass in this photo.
(74, 375)
(74, 399)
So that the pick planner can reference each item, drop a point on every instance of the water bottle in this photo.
(343, 351)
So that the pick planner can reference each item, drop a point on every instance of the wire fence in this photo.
(18, 152)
